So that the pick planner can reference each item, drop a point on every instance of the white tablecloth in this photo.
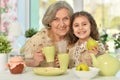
(29, 75)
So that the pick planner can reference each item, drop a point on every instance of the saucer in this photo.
(48, 71)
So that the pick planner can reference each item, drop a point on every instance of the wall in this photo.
(34, 13)
(22, 15)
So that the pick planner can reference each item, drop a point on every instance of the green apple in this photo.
(82, 67)
(91, 43)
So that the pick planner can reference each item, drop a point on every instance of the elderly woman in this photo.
(56, 21)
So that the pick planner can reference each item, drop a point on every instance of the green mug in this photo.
(49, 53)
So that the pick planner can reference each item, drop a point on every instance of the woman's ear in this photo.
(49, 25)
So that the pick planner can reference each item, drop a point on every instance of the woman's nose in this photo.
(61, 23)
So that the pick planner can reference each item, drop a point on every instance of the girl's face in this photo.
(81, 28)
(61, 22)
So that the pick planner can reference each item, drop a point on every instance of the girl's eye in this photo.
(84, 24)
(76, 25)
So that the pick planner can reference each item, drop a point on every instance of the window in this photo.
(105, 12)
(107, 16)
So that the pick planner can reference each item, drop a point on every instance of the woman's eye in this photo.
(55, 19)
(66, 18)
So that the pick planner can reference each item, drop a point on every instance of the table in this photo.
(29, 75)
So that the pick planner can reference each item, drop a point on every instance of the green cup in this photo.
(49, 53)
(63, 59)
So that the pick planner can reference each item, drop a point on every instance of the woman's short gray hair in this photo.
(52, 10)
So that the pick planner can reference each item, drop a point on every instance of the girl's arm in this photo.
(98, 50)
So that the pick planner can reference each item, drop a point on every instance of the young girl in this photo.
(83, 27)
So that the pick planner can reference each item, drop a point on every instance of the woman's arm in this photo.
(31, 63)
(33, 49)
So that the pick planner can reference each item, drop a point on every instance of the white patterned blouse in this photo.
(78, 54)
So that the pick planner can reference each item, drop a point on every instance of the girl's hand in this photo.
(94, 50)
(106, 46)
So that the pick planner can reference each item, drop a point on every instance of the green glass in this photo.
(63, 59)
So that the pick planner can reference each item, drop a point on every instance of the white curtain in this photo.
(8, 15)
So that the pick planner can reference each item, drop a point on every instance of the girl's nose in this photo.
(80, 27)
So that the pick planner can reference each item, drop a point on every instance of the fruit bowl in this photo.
(86, 75)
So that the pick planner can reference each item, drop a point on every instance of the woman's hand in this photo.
(38, 57)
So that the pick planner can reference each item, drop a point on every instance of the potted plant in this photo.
(30, 32)
(5, 48)
(103, 39)
(117, 40)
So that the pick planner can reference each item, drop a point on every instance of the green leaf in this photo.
(5, 46)
(30, 32)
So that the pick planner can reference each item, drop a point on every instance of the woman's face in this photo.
(81, 27)
(61, 22)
